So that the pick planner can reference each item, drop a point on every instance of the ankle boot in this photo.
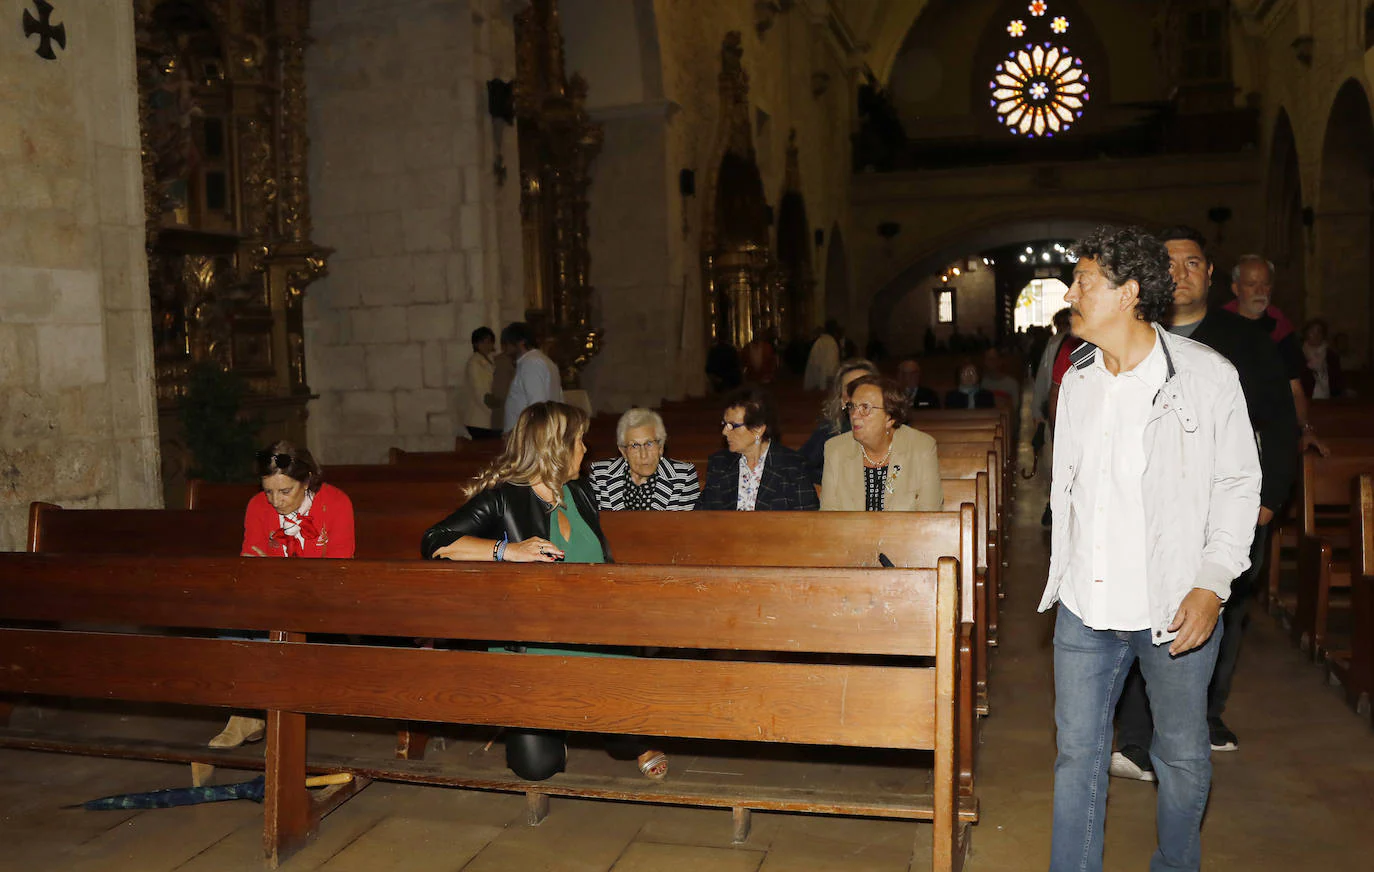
(239, 730)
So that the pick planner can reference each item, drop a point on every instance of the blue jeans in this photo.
(1090, 668)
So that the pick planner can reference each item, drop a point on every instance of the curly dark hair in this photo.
(1126, 253)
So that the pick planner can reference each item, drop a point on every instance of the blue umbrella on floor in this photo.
(175, 796)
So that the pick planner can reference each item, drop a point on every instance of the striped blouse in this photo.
(675, 485)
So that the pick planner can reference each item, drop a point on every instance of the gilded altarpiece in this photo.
(223, 111)
(558, 143)
(741, 278)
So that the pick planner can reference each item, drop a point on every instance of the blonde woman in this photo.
(834, 420)
(530, 506)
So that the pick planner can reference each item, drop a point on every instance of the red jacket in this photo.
(327, 530)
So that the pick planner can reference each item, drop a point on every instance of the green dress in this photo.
(581, 546)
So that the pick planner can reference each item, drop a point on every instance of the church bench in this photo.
(1323, 550)
(440, 489)
(804, 539)
(1286, 528)
(1355, 668)
(872, 622)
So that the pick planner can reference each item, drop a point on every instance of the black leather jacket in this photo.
(512, 509)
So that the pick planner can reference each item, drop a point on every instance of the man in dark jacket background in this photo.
(1264, 381)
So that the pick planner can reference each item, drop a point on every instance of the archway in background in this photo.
(1342, 223)
(985, 237)
(1037, 303)
(836, 278)
(1286, 236)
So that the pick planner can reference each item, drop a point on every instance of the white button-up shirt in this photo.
(747, 496)
(1106, 585)
(536, 381)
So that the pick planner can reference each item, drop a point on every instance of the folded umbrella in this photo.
(176, 796)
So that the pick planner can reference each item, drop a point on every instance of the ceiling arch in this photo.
(881, 26)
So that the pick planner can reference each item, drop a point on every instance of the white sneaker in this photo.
(1124, 767)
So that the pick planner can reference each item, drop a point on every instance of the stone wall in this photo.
(975, 311)
(652, 70)
(1307, 61)
(426, 242)
(78, 422)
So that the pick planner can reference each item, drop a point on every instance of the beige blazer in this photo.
(913, 473)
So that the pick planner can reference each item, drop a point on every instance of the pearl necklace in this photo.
(888, 483)
(876, 463)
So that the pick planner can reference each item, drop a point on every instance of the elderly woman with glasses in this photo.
(881, 465)
(642, 478)
(756, 472)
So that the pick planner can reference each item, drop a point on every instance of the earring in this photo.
(757, 439)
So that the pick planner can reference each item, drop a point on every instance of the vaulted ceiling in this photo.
(881, 26)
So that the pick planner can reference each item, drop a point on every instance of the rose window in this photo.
(1039, 90)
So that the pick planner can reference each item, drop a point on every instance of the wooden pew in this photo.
(1355, 668)
(818, 614)
(1323, 550)
(1285, 530)
(835, 539)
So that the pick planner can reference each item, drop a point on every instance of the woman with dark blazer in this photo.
(756, 473)
(529, 506)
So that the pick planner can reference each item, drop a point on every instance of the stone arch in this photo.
(1286, 235)
(974, 238)
(836, 277)
(1342, 220)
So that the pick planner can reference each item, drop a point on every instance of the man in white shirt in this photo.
(536, 376)
(1155, 493)
(477, 384)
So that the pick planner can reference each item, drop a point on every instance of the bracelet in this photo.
(498, 551)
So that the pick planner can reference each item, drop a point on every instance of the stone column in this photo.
(78, 422)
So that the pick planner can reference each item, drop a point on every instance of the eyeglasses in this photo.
(281, 461)
(732, 425)
(861, 410)
(642, 446)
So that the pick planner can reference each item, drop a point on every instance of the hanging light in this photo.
(1023, 258)
(1045, 256)
(955, 270)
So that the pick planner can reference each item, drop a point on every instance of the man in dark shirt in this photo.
(1252, 281)
(1264, 382)
(909, 377)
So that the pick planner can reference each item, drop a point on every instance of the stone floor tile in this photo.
(650, 857)
(406, 845)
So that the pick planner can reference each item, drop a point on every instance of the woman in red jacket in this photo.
(295, 515)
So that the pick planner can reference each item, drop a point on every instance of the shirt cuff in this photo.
(1216, 578)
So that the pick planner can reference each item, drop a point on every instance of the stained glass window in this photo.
(1042, 88)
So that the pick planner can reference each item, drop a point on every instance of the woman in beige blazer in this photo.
(881, 465)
